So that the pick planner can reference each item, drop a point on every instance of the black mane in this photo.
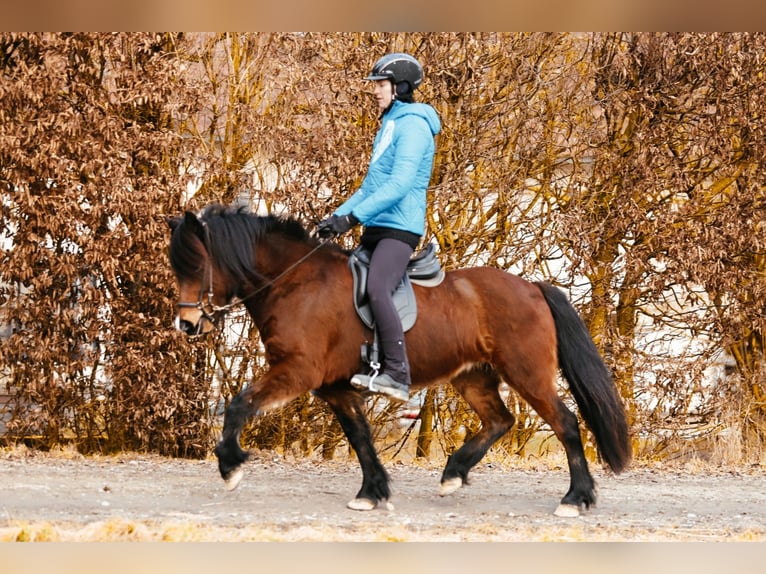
(238, 224)
(229, 235)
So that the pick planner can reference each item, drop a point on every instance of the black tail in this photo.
(589, 380)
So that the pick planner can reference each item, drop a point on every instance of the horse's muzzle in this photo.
(189, 328)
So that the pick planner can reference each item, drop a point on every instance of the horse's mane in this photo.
(230, 238)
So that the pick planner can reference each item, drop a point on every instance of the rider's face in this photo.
(384, 93)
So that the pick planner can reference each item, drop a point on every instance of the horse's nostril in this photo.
(185, 326)
(189, 328)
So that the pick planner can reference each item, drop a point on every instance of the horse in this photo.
(479, 327)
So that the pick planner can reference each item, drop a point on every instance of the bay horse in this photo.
(479, 327)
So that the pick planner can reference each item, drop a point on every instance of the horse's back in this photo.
(506, 300)
(487, 292)
(478, 315)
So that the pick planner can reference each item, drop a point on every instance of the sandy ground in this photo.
(133, 497)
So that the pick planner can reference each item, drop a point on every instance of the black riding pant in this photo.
(388, 265)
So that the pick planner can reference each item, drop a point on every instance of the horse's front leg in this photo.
(348, 406)
(279, 386)
(228, 450)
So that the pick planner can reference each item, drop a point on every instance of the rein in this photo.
(270, 282)
(210, 310)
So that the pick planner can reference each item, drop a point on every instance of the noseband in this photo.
(210, 311)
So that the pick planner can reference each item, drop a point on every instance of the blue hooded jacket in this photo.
(393, 193)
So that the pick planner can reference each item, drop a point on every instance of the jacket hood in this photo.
(425, 111)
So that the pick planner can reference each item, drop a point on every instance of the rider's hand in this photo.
(336, 225)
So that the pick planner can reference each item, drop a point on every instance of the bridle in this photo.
(212, 312)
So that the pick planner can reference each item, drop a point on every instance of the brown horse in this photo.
(479, 327)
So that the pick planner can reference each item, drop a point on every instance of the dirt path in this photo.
(151, 498)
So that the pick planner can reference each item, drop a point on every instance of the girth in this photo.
(423, 269)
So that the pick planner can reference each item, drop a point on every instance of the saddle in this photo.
(423, 269)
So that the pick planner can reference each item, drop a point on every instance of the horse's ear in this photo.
(193, 223)
(173, 222)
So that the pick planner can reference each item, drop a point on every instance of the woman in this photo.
(391, 205)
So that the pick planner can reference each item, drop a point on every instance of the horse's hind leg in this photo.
(348, 406)
(480, 388)
(563, 422)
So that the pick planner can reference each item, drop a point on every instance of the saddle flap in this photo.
(421, 266)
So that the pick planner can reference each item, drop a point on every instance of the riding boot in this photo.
(395, 363)
(394, 381)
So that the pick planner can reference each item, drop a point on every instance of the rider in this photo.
(391, 205)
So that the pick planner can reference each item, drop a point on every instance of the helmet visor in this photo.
(375, 76)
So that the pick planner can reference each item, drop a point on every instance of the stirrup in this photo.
(391, 388)
(364, 382)
(375, 366)
(388, 386)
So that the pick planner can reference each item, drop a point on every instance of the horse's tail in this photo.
(589, 380)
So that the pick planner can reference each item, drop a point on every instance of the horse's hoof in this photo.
(361, 504)
(367, 504)
(450, 485)
(567, 511)
(234, 479)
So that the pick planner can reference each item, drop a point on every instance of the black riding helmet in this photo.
(398, 68)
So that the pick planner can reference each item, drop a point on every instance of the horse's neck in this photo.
(278, 254)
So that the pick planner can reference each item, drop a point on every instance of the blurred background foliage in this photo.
(626, 168)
